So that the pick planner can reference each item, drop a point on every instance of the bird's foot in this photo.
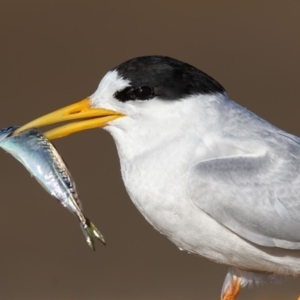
(236, 279)
(232, 285)
(232, 290)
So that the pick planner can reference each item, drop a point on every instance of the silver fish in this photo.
(41, 159)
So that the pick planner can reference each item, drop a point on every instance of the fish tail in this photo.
(90, 232)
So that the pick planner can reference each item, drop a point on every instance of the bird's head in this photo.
(147, 89)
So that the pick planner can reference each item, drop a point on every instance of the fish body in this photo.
(41, 159)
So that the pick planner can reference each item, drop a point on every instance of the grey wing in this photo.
(255, 196)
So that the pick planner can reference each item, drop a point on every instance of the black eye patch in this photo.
(130, 93)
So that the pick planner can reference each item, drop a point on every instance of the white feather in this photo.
(158, 142)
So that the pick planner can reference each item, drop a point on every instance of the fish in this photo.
(39, 156)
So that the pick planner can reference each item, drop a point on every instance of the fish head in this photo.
(7, 131)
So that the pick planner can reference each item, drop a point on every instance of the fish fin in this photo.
(90, 232)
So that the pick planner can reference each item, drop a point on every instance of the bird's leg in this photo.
(298, 297)
(231, 286)
(233, 290)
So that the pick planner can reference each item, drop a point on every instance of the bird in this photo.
(212, 176)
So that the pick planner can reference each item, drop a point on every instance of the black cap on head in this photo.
(168, 79)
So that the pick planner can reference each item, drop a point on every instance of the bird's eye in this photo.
(143, 93)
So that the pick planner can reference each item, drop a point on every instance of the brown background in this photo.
(53, 53)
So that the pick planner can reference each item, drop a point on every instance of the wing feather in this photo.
(257, 196)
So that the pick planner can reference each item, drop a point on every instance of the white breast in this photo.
(160, 195)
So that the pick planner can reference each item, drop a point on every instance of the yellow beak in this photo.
(92, 118)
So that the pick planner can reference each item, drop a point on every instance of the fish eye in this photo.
(144, 93)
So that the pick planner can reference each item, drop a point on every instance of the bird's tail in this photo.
(90, 232)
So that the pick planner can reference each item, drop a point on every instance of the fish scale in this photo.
(41, 159)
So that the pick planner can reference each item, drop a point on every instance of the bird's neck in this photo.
(173, 131)
(157, 144)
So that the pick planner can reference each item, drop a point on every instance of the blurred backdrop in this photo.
(54, 53)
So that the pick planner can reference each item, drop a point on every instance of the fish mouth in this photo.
(88, 118)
